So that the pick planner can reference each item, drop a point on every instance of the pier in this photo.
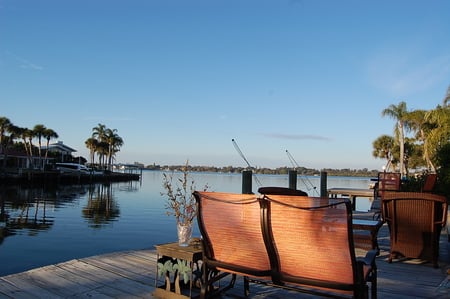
(131, 274)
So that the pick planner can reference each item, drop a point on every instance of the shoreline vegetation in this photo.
(280, 170)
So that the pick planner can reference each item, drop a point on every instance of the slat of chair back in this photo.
(231, 228)
(388, 181)
(310, 235)
(430, 181)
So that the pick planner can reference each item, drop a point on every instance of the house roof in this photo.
(59, 147)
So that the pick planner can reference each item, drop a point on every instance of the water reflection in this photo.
(28, 210)
(50, 224)
(101, 207)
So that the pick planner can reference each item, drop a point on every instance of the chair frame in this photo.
(363, 269)
(412, 233)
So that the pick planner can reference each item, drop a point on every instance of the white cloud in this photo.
(403, 72)
(25, 64)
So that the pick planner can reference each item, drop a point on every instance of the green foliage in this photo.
(443, 181)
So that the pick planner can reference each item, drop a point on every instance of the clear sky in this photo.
(179, 79)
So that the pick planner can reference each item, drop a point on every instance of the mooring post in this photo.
(292, 179)
(323, 184)
(247, 182)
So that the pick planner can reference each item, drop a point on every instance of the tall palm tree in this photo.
(48, 135)
(447, 97)
(39, 133)
(439, 135)
(398, 113)
(99, 132)
(91, 144)
(27, 137)
(382, 148)
(114, 143)
(5, 124)
(418, 123)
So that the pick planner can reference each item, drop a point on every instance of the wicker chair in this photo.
(230, 225)
(415, 221)
(313, 241)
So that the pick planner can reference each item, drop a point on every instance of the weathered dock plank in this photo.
(131, 274)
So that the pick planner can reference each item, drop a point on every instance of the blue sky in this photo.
(180, 79)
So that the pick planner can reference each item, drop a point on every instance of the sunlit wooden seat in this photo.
(304, 245)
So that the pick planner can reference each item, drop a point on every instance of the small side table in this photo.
(368, 240)
(176, 270)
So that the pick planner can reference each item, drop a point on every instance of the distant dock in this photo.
(55, 177)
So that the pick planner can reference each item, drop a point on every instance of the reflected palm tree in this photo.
(27, 211)
(24, 209)
(101, 207)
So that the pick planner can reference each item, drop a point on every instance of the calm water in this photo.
(45, 226)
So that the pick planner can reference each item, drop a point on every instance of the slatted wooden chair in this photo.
(233, 242)
(415, 221)
(429, 183)
(313, 242)
(387, 181)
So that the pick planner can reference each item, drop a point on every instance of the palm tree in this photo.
(49, 134)
(99, 132)
(398, 113)
(91, 144)
(418, 123)
(439, 135)
(27, 136)
(382, 148)
(38, 131)
(447, 97)
(5, 124)
(114, 143)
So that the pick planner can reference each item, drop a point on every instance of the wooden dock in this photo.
(131, 274)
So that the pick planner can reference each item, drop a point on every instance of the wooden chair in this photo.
(430, 181)
(387, 181)
(415, 221)
(230, 225)
(281, 191)
(313, 241)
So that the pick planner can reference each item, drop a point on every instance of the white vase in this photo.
(184, 234)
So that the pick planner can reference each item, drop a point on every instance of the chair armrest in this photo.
(369, 259)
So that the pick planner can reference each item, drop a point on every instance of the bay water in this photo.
(47, 225)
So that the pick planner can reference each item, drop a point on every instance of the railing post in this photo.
(323, 184)
(247, 182)
(292, 179)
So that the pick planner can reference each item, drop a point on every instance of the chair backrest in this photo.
(310, 235)
(415, 221)
(389, 181)
(430, 181)
(230, 225)
(281, 191)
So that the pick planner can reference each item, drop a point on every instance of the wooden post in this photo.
(247, 182)
(292, 179)
(323, 184)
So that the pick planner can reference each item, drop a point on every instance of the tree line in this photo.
(301, 171)
(104, 142)
(10, 133)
